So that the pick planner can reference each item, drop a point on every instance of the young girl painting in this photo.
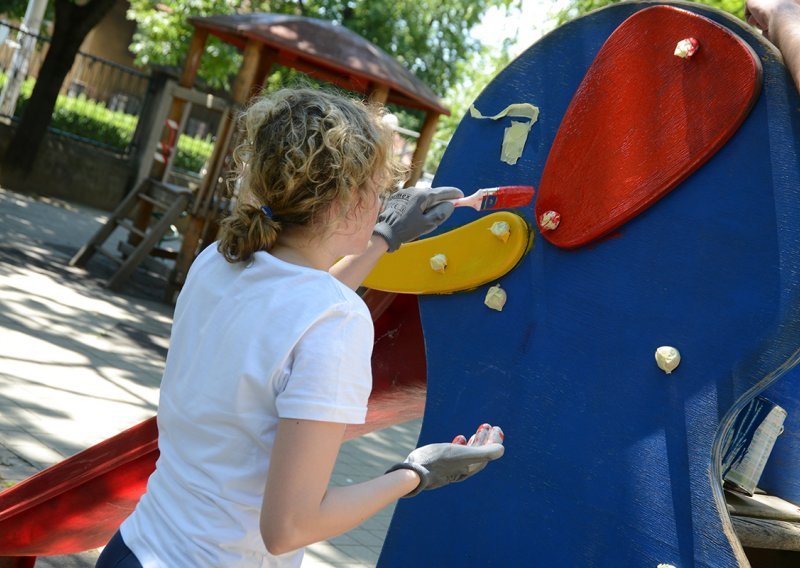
(269, 357)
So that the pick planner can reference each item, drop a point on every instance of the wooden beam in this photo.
(206, 100)
(246, 78)
(216, 162)
(188, 76)
(250, 72)
(423, 144)
(151, 131)
(269, 58)
(378, 93)
(159, 169)
(762, 507)
(17, 561)
(243, 86)
(764, 533)
(193, 57)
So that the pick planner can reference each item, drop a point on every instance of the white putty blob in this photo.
(439, 263)
(687, 47)
(495, 298)
(667, 358)
(501, 230)
(549, 220)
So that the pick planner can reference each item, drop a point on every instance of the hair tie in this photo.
(267, 212)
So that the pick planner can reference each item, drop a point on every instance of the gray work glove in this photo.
(412, 212)
(440, 464)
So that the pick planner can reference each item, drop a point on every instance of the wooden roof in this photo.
(326, 51)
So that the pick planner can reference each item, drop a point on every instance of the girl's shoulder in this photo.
(269, 279)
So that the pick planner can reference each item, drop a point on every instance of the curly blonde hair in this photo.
(303, 151)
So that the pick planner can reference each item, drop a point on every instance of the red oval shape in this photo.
(643, 119)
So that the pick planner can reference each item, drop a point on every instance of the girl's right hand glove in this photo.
(440, 464)
(412, 212)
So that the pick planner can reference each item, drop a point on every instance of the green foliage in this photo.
(580, 7)
(90, 119)
(429, 37)
(478, 72)
(15, 9)
(163, 35)
(192, 153)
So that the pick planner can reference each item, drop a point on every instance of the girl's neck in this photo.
(299, 247)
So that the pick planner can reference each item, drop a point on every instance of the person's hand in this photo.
(759, 13)
(440, 464)
(412, 212)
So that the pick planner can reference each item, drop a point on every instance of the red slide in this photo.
(79, 503)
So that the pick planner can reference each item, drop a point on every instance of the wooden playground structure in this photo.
(319, 49)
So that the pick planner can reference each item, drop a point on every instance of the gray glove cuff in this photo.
(421, 471)
(385, 232)
(410, 213)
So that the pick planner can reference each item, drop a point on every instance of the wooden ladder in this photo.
(150, 194)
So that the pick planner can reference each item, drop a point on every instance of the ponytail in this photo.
(247, 230)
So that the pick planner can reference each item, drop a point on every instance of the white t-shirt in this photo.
(250, 344)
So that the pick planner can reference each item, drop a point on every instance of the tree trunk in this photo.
(72, 23)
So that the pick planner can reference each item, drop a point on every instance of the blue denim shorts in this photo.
(117, 555)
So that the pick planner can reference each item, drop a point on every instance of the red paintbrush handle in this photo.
(504, 197)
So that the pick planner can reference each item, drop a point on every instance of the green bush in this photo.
(90, 119)
(193, 153)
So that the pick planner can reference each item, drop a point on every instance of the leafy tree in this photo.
(477, 71)
(15, 9)
(429, 37)
(579, 7)
(163, 35)
(73, 21)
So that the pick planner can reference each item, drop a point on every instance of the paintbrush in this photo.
(504, 197)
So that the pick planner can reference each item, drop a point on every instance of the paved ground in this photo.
(79, 363)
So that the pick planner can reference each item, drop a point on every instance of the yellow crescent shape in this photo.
(474, 254)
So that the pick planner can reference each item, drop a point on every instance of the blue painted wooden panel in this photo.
(609, 461)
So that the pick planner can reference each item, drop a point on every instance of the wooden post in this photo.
(423, 144)
(252, 71)
(378, 93)
(378, 301)
(17, 561)
(215, 163)
(159, 169)
(148, 130)
(269, 57)
(246, 78)
(263, 63)
(187, 110)
(187, 80)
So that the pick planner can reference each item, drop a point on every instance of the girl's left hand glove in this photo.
(413, 212)
(440, 464)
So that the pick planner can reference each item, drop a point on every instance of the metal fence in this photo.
(99, 102)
